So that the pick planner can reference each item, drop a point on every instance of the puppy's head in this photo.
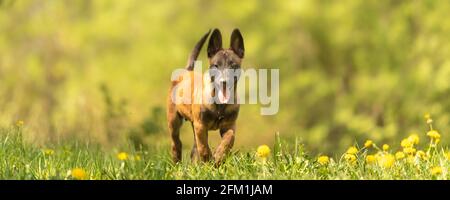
(225, 64)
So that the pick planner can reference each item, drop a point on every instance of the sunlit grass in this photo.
(405, 160)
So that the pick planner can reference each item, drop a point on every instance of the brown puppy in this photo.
(220, 114)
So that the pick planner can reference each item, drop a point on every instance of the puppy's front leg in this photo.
(225, 145)
(201, 138)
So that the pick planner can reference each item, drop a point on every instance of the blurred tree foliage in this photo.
(349, 69)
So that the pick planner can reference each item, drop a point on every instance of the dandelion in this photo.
(350, 155)
(122, 156)
(436, 171)
(414, 139)
(323, 160)
(399, 155)
(20, 123)
(48, 152)
(78, 174)
(386, 160)
(368, 144)
(433, 134)
(406, 143)
(409, 150)
(352, 150)
(263, 151)
(137, 157)
(436, 141)
(385, 147)
(447, 155)
(421, 154)
(370, 159)
(350, 158)
(428, 118)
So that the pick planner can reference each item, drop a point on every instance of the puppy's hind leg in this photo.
(174, 121)
(194, 152)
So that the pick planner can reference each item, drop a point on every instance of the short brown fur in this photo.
(205, 117)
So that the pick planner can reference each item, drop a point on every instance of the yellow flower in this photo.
(323, 160)
(350, 155)
(263, 151)
(351, 158)
(428, 118)
(422, 155)
(437, 141)
(48, 152)
(436, 171)
(137, 157)
(399, 155)
(20, 123)
(370, 159)
(352, 150)
(447, 155)
(386, 160)
(368, 143)
(409, 150)
(414, 139)
(433, 134)
(385, 147)
(122, 156)
(78, 174)
(406, 143)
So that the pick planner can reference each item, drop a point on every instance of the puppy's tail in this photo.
(196, 51)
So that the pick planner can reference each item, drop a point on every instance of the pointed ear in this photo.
(215, 43)
(237, 43)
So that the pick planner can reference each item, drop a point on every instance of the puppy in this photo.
(218, 109)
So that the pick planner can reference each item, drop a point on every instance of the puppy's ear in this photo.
(215, 43)
(237, 43)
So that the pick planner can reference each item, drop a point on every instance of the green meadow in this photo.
(282, 160)
(83, 88)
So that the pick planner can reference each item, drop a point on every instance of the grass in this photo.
(20, 160)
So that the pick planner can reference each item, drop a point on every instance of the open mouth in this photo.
(224, 94)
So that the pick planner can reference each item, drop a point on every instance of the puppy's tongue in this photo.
(223, 95)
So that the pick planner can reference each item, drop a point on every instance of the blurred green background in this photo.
(349, 70)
